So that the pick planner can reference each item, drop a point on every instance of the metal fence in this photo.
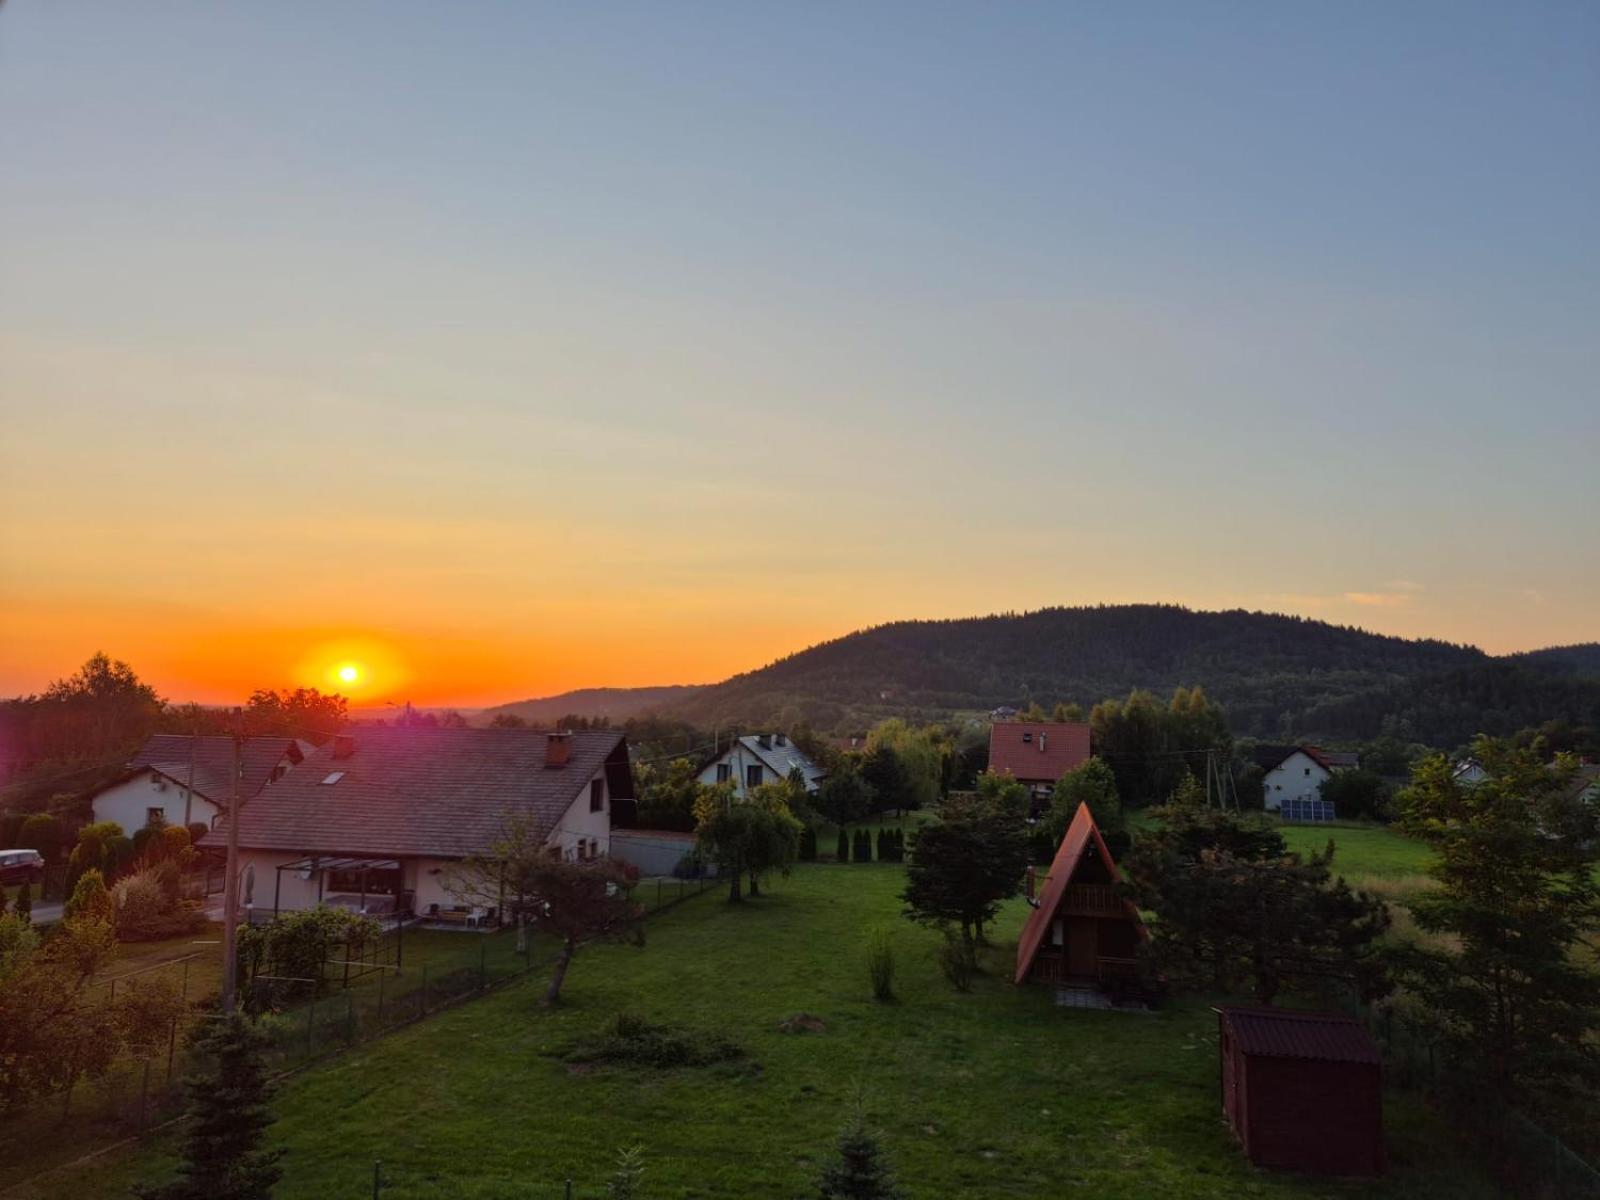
(393, 988)
(1528, 1160)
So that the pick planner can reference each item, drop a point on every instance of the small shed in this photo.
(1303, 1091)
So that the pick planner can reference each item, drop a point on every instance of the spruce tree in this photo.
(808, 845)
(843, 851)
(228, 1114)
(883, 845)
(861, 1171)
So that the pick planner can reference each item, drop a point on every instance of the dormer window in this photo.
(333, 777)
(1027, 737)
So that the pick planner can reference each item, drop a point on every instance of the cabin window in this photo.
(752, 775)
(155, 816)
(724, 772)
(597, 795)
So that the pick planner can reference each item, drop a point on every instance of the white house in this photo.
(1299, 775)
(759, 758)
(183, 779)
(380, 819)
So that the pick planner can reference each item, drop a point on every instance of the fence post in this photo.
(350, 1018)
(377, 1177)
(424, 989)
(483, 965)
(658, 894)
(144, 1093)
(172, 1047)
(311, 1026)
(381, 974)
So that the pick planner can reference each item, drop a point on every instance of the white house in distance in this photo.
(1299, 775)
(156, 787)
(758, 758)
(379, 819)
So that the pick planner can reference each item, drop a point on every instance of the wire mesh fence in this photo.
(409, 973)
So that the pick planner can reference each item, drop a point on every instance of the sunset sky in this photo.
(502, 348)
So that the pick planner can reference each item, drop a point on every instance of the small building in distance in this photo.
(1082, 931)
(1295, 775)
(185, 779)
(1038, 753)
(758, 758)
(1302, 1091)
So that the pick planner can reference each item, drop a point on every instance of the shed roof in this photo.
(1037, 750)
(1287, 1033)
(443, 793)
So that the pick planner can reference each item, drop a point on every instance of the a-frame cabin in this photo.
(1082, 932)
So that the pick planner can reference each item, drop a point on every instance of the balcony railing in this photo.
(1092, 898)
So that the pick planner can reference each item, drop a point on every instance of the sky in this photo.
(503, 348)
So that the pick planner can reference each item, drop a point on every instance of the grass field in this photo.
(1361, 850)
(996, 1093)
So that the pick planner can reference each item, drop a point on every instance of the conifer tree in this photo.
(843, 851)
(861, 1171)
(222, 1155)
(808, 845)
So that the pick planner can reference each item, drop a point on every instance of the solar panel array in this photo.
(1307, 812)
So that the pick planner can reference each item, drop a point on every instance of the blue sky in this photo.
(710, 330)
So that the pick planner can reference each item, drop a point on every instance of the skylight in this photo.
(334, 777)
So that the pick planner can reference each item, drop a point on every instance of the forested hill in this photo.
(1275, 675)
(618, 704)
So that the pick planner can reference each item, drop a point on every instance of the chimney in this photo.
(764, 741)
(780, 739)
(1041, 741)
(1030, 883)
(344, 745)
(557, 749)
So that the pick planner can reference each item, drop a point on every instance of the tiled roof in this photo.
(782, 759)
(1039, 750)
(432, 792)
(1079, 835)
(1285, 1033)
(169, 753)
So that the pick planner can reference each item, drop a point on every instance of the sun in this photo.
(349, 673)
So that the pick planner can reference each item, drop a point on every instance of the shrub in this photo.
(633, 1041)
(691, 866)
(958, 961)
(880, 964)
(842, 854)
(89, 898)
(808, 845)
(147, 907)
(860, 1172)
(24, 909)
(863, 846)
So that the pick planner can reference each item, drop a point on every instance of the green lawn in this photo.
(996, 1093)
(1361, 850)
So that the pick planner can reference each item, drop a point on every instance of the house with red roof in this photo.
(1038, 753)
(1082, 932)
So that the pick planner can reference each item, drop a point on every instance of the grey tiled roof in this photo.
(436, 792)
(169, 753)
(780, 760)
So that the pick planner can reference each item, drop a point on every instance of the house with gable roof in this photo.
(379, 819)
(1038, 753)
(758, 758)
(1082, 932)
(185, 779)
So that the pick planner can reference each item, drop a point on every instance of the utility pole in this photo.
(230, 883)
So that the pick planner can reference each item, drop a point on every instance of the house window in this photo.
(155, 816)
(1308, 772)
(752, 775)
(597, 795)
(724, 772)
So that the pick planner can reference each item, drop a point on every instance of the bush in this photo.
(90, 898)
(958, 962)
(842, 854)
(632, 1041)
(691, 866)
(147, 907)
(808, 845)
(863, 847)
(880, 964)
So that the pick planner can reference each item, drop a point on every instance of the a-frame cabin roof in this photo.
(1080, 835)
